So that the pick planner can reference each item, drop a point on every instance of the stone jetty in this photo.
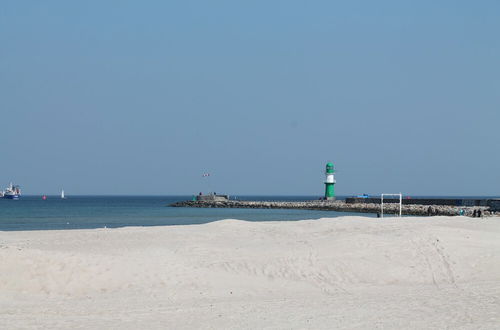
(340, 206)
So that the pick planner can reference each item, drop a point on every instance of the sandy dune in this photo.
(350, 272)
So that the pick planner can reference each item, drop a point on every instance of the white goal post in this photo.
(382, 203)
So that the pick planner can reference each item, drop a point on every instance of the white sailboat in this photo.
(62, 194)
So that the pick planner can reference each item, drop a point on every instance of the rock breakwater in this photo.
(339, 206)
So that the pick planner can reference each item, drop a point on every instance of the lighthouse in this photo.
(329, 182)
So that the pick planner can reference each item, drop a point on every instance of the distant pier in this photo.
(365, 206)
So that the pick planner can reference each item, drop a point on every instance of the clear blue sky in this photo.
(143, 97)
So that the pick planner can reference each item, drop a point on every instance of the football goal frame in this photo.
(382, 203)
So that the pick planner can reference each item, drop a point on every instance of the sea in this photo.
(88, 212)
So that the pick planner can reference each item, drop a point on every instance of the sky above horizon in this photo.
(143, 97)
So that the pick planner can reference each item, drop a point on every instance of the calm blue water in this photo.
(78, 212)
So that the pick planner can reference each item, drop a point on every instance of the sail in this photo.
(62, 193)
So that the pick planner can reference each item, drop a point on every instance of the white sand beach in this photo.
(349, 272)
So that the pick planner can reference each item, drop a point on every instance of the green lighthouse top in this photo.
(329, 168)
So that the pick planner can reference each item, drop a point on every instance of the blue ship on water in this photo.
(11, 192)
